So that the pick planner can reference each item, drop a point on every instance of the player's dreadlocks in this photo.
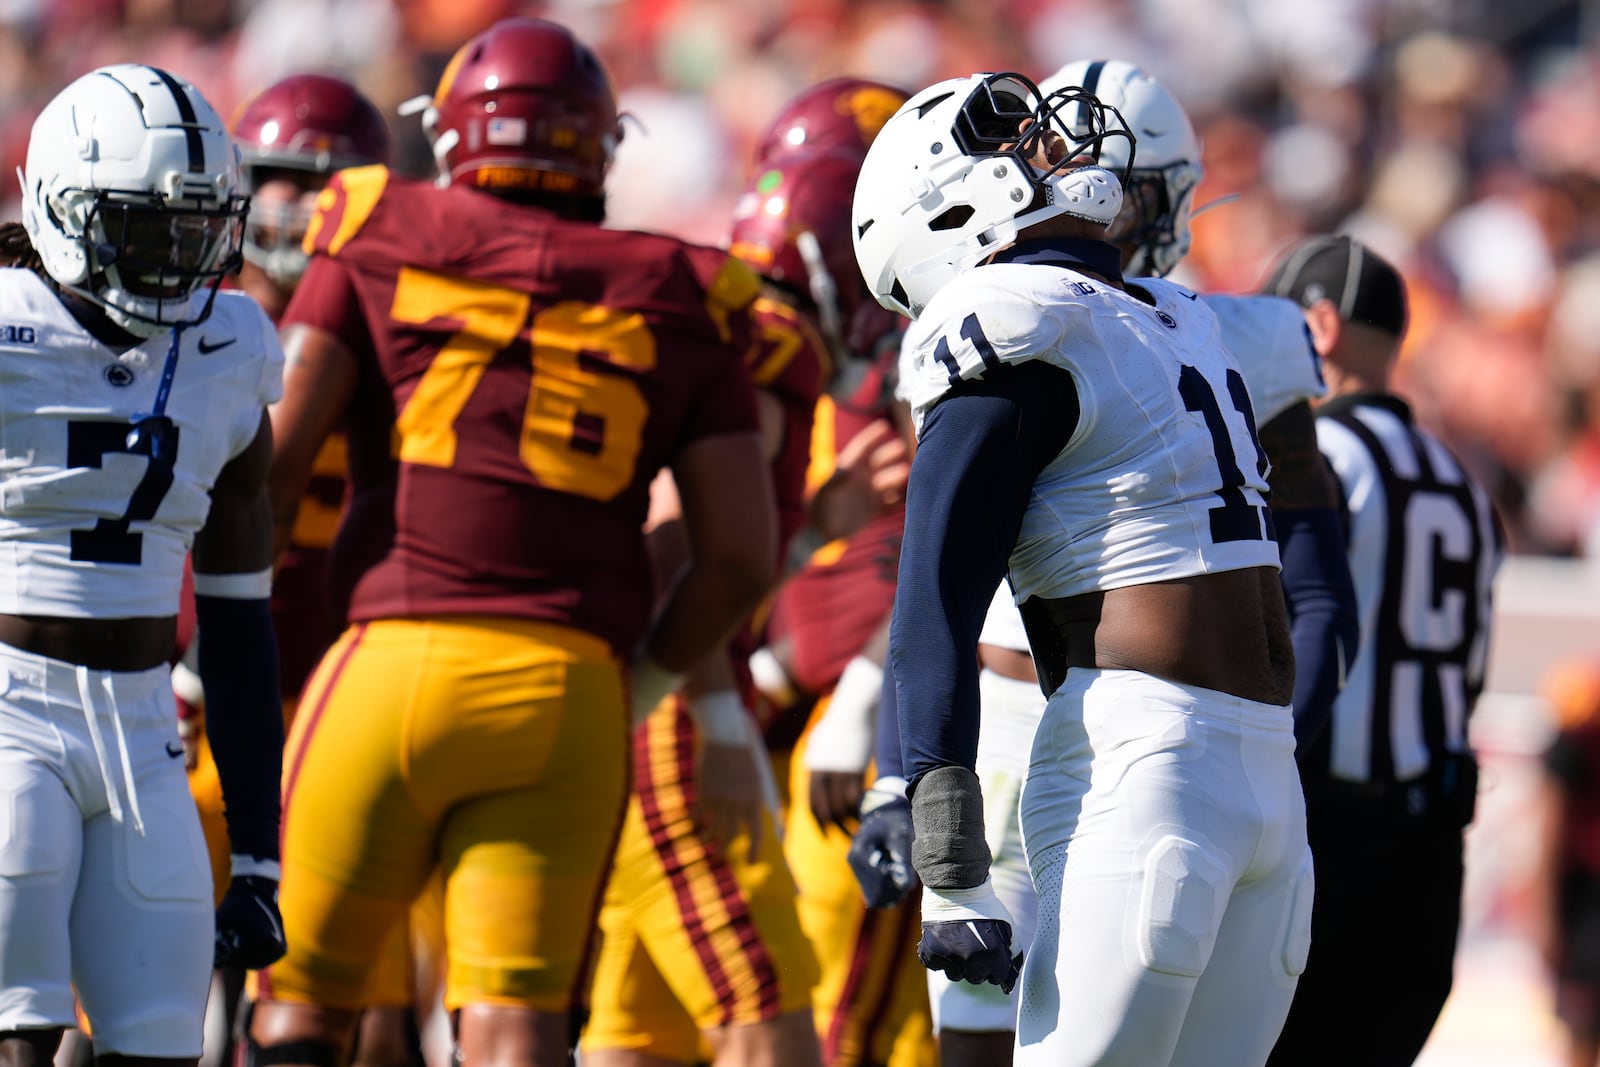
(16, 250)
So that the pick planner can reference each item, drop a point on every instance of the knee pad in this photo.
(1183, 895)
(1297, 930)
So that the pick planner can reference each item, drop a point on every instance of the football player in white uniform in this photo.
(133, 429)
(1268, 339)
(1095, 436)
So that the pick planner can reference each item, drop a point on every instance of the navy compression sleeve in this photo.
(890, 763)
(1322, 613)
(977, 456)
(244, 717)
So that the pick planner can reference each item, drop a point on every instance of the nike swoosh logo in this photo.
(272, 920)
(207, 347)
(174, 752)
(1191, 296)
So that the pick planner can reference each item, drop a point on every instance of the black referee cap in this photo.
(1362, 285)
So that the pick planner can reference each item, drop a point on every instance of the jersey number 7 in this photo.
(87, 444)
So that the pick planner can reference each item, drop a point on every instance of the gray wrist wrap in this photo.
(949, 850)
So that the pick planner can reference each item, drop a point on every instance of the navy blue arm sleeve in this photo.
(889, 761)
(244, 717)
(1322, 613)
(977, 456)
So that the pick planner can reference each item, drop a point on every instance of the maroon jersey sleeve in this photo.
(524, 379)
(788, 359)
(326, 298)
(835, 603)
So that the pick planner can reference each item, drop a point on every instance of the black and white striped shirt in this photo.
(1424, 546)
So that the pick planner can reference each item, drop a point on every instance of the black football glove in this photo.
(249, 928)
(966, 935)
(880, 851)
(976, 951)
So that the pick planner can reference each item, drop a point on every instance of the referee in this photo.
(1390, 785)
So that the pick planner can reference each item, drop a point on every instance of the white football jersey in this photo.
(1163, 477)
(1271, 343)
(1268, 338)
(92, 523)
(1002, 626)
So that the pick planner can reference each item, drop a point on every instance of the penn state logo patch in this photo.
(1167, 320)
(118, 375)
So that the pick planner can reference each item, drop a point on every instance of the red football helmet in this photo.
(840, 114)
(792, 225)
(310, 123)
(524, 105)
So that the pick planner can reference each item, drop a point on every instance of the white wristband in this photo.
(963, 905)
(244, 866)
(885, 790)
(771, 678)
(842, 739)
(255, 585)
(652, 683)
(187, 687)
(720, 718)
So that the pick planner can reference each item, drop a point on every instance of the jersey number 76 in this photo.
(582, 428)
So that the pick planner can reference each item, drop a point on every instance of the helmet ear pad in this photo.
(66, 256)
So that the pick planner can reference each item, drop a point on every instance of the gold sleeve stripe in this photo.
(733, 289)
(363, 188)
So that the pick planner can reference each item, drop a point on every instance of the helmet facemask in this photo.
(275, 229)
(273, 237)
(149, 256)
(969, 165)
(1154, 223)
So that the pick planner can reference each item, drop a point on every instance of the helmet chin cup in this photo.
(1093, 194)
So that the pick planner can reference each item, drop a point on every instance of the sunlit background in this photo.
(1460, 138)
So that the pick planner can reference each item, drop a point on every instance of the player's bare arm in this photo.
(319, 379)
(237, 535)
(731, 792)
(842, 740)
(730, 524)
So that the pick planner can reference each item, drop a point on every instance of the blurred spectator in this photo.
(1458, 139)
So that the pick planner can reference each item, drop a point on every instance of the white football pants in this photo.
(1166, 831)
(1011, 712)
(104, 881)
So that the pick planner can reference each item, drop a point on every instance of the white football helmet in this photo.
(130, 196)
(1160, 194)
(947, 182)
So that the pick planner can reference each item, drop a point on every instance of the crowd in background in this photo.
(1459, 138)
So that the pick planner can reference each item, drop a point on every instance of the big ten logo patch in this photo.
(16, 335)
